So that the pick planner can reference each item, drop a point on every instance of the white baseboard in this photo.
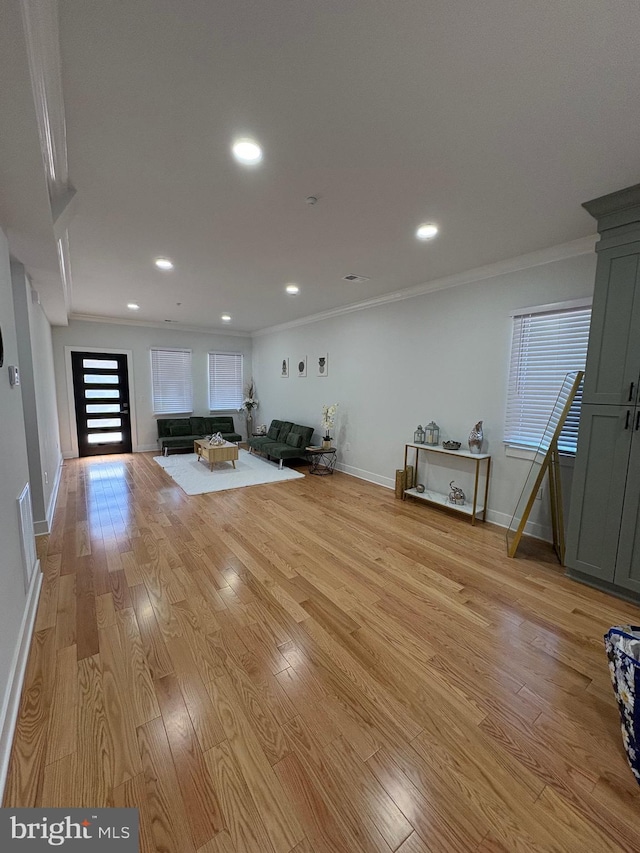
(369, 476)
(538, 531)
(11, 699)
(41, 528)
(532, 528)
(140, 448)
(54, 494)
(499, 518)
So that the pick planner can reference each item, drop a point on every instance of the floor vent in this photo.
(27, 538)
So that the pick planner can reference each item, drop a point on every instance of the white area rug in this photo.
(195, 478)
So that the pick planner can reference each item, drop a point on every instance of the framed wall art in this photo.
(323, 365)
(302, 366)
(284, 368)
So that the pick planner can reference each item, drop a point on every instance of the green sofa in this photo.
(180, 433)
(284, 440)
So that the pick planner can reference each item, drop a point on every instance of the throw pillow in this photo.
(294, 439)
(285, 429)
(180, 429)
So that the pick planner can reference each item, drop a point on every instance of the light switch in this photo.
(14, 375)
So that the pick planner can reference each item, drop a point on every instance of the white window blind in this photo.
(225, 381)
(171, 382)
(546, 346)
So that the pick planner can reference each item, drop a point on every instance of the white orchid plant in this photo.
(250, 401)
(329, 418)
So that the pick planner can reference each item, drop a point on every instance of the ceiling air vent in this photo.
(358, 279)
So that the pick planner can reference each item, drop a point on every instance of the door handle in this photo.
(631, 387)
(637, 420)
(626, 423)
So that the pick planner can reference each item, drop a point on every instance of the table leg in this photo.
(475, 492)
(486, 490)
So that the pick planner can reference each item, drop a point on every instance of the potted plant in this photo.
(249, 403)
(328, 422)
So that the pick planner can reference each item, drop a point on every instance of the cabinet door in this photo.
(597, 495)
(628, 562)
(613, 357)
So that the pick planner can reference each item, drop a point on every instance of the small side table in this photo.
(321, 461)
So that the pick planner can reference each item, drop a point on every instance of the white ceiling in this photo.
(496, 119)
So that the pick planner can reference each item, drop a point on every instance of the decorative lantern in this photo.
(432, 433)
(418, 436)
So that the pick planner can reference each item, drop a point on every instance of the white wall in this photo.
(442, 356)
(47, 407)
(139, 340)
(38, 398)
(16, 607)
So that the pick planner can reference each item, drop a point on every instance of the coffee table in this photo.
(211, 453)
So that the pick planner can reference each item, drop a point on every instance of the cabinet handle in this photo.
(631, 387)
(638, 420)
(626, 423)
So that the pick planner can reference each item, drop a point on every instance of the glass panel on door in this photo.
(92, 393)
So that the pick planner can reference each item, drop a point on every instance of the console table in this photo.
(474, 509)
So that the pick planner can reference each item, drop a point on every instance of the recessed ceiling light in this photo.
(247, 151)
(133, 306)
(164, 264)
(226, 318)
(427, 231)
(292, 289)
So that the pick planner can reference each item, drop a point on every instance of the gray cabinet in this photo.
(598, 493)
(628, 560)
(603, 532)
(613, 358)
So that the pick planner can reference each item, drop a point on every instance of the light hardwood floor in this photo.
(314, 666)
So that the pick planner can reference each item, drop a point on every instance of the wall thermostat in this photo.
(14, 375)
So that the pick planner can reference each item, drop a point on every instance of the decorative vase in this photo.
(249, 424)
(326, 442)
(475, 438)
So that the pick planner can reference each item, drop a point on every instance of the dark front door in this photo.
(101, 392)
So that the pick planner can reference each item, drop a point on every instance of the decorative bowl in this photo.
(451, 445)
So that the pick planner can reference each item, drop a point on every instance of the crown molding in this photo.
(582, 246)
(40, 20)
(64, 261)
(40, 25)
(151, 324)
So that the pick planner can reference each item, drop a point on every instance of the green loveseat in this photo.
(284, 440)
(180, 433)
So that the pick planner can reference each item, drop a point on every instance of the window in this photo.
(225, 381)
(548, 342)
(172, 386)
